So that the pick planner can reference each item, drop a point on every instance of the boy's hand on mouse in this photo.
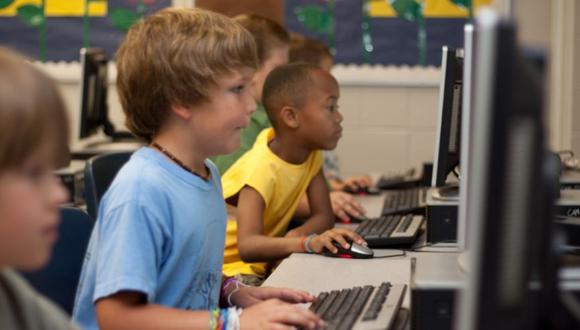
(358, 181)
(344, 204)
(340, 235)
(276, 314)
(251, 295)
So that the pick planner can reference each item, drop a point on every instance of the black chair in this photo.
(58, 280)
(99, 173)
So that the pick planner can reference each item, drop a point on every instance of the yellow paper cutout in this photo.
(60, 8)
(433, 8)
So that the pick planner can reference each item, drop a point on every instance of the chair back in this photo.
(58, 280)
(99, 173)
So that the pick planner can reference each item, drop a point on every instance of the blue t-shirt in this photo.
(161, 232)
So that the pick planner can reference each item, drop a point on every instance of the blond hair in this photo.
(31, 112)
(174, 57)
(267, 33)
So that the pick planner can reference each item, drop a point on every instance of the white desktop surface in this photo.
(373, 205)
(316, 273)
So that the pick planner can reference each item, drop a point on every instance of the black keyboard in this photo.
(397, 182)
(411, 200)
(368, 307)
(391, 230)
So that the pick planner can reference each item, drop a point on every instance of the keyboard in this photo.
(391, 230)
(368, 307)
(397, 182)
(413, 200)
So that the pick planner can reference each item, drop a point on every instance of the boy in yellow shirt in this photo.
(264, 187)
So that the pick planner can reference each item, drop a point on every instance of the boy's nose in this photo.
(251, 105)
(59, 194)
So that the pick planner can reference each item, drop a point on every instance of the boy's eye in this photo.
(37, 173)
(332, 108)
(238, 89)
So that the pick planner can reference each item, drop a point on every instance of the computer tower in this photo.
(441, 217)
(436, 280)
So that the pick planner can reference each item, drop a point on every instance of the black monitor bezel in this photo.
(449, 122)
(94, 81)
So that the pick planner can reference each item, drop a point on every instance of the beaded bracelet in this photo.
(307, 243)
(302, 241)
(214, 319)
(224, 319)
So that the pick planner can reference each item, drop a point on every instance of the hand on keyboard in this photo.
(344, 205)
(274, 313)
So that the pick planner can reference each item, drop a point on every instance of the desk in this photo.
(316, 273)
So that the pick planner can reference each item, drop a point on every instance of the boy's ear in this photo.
(181, 111)
(289, 116)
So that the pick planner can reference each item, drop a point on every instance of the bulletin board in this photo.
(382, 32)
(55, 30)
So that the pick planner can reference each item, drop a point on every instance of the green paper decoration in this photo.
(412, 10)
(468, 4)
(463, 3)
(314, 18)
(34, 16)
(318, 19)
(122, 19)
(367, 41)
(31, 15)
(86, 20)
(5, 3)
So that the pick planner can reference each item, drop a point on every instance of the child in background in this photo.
(303, 49)
(155, 255)
(272, 42)
(33, 139)
(263, 188)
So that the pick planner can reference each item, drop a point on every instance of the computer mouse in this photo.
(356, 251)
(362, 190)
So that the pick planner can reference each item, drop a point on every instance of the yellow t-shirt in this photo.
(280, 184)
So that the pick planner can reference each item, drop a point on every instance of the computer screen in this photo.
(94, 108)
(449, 126)
(93, 91)
(511, 188)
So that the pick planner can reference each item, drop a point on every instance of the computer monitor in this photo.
(511, 188)
(449, 126)
(94, 108)
(466, 124)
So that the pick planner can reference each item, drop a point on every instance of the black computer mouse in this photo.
(356, 251)
(362, 190)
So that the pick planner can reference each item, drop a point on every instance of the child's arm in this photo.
(128, 310)
(321, 216)
(253, 245)
(321, 220)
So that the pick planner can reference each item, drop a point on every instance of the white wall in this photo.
(389, 113)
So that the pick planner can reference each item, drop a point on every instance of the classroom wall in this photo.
(389, 113)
